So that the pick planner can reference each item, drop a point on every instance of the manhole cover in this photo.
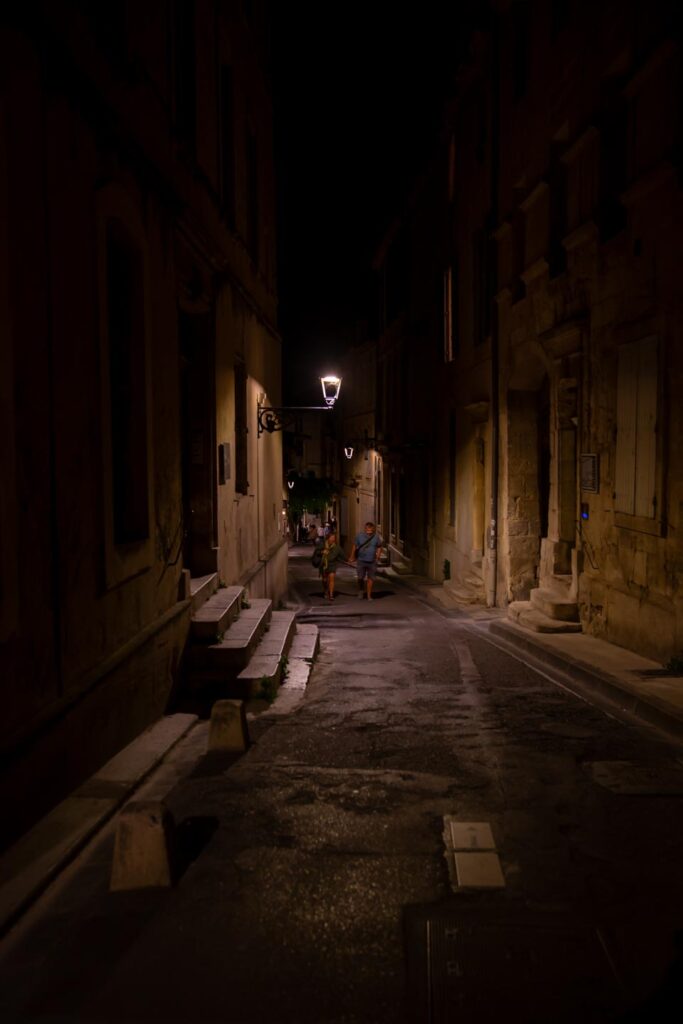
(476, 963)
(640, 778)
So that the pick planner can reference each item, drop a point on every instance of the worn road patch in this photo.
(638, 778)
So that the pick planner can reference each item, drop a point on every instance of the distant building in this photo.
(359, 463)
(138, 317)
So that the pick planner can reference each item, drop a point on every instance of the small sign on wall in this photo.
(223, 463)
(589, 464)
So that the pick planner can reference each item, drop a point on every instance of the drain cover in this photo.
(482, 964)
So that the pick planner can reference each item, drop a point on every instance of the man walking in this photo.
(367, 547)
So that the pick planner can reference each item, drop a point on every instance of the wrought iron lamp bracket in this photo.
(272, 418)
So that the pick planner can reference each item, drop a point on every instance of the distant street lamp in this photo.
(348, 452)
(272, 418)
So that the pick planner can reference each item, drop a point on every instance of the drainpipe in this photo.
(492, 575)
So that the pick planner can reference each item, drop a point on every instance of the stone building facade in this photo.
(537, 351)
(138, 312)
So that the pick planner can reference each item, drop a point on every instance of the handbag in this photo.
(317, 558)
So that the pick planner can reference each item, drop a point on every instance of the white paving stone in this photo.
(471, 835)
(478, 870)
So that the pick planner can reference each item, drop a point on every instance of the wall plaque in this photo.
(589, 464)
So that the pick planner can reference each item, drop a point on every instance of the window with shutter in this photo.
(636, 455)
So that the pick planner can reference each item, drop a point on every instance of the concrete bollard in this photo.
(228, 729)
(144, 847)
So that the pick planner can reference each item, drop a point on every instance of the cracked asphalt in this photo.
(313, 861)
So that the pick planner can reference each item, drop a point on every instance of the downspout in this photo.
(57, 596)
(492, 575)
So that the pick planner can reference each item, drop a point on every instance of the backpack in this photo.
(317, 558)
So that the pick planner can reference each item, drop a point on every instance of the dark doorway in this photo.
(197, 398)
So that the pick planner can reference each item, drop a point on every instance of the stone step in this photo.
(550, 604)
(266, 663)
(559, 584)
(216, 615)
(306, 642)
(201, 589)
(278, 640)
(227, 657)
(526, 615)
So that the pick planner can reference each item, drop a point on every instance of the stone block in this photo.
(478, 871)
(518, 528)
(471, 835)
(144, 847)
(228, 729)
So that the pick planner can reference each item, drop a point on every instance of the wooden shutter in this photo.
(627, 392)
(646, 446)
(636, 459)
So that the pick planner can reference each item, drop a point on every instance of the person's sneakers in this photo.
(360, 595)
(370, 597)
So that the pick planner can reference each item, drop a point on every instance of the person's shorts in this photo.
(366, 570)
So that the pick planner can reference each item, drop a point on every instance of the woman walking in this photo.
(333, 554)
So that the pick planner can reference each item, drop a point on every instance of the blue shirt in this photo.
(369, 552)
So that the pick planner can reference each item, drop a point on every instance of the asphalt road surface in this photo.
(317, 887)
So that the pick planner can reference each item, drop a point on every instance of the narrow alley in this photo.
(317, 888)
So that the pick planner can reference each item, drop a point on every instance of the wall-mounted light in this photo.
(348, 452)
(272, 418)
(290, 484)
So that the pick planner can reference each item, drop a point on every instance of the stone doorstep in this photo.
(554, 607)
(216, 614)
(282, 629)
(261, 668)
(266, 661)
(558, 584)
(239, 643)
(201, 589)
(305, 645)
(258, 607)
(524, 615)
(28, 867)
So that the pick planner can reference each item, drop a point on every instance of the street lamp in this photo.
(272, 418)
(331, 388)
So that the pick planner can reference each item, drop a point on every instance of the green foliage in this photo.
(284, 667)
(267, 689)
(311, 495)
(675, 664)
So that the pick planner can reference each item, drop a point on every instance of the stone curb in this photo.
(646, 707)
(28, 867)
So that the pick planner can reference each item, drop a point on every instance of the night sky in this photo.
(358, 91)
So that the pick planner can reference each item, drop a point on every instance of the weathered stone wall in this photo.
(91, 625)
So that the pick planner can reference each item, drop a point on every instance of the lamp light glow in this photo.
(331, 386)
(348, 452)
(290, 484)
